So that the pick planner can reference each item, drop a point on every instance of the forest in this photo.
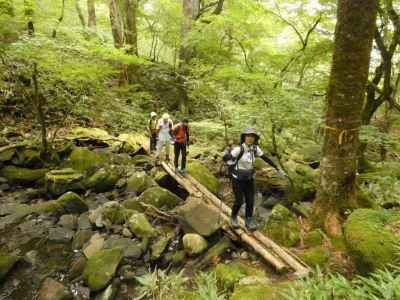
(287, 112)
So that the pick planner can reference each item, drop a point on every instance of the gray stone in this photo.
(53, 290)
(80, 238)
(84, 222)
(96, 243)
(60, 234)
(68, 221)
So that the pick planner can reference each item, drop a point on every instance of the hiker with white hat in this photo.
(164, 127)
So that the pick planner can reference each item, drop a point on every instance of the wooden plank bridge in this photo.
(280, 258)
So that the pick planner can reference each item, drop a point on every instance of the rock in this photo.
(103, 179)
(28, 158)
(84, 222)
(314, 238)
(194, 243)
(53, 290)
(58, 182)
(130, 248)
(126, 233)
(140, 226)
(282, 227)
(7, 261)
(68, 221)
(80, 238)
(72, 203)
(254, 280)
(110, 213)
(108, 294)
(94, 246)
(60, 234)
(303, 208)
(7, 153)
(17, 175)
(372, 238)
(139, 182)
(228, 274)
(203, 175)
(85, 161)
(32, 258)
(101, 268)
(157, 249)
(258, 292)
(83, 133)
(199, 216)
(160, 198)
(213, 254)
(317, 256)
(77, 267)
(130, 143)
(305, 180)
(142, 161)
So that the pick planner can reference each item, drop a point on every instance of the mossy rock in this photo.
(203, 175)
(305, 180)
(22, 175)
(142, 161)
(7, 261)
(101, 267)
(194, 243)
(103, 179)
(116, 213)
(282, 226)
(140, 226)
(58, 182)
(53, 290)
(130, 143)
(89, 133)
(314, 238)
(71, 203)
(7, 153)
(317, 256)
(28, 158)
(228, 274)
(139, 182)
(257, 292)
(372, 238)
(85, 161)
(160, 198)
(134, 204)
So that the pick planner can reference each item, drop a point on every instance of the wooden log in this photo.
(181, 180)
(300, 268)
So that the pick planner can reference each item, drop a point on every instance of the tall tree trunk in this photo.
(353, 42)
(29, 11)
(116, 24)
(91, 6)
(131, 30)
(60, 19)
(80, 14)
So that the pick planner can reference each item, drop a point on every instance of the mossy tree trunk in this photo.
(91, 6)
(80, 13)
(131, 28)
(353, 42)
(116, 24)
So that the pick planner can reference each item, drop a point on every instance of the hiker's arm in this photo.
(265, 158)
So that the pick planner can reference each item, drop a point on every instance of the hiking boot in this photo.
(234, 222)
(250, 224)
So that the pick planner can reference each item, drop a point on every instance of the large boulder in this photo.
(103, 179)
(203, 175)
(372, 238)
(130, 143)
(85, 161)
(101, 267)
(140, 226)
(160, 198)
(194, 244)
(72, 203)
(282, 226)
(199, 216)
(53, 290)
(139, 182)
(58, 182)
(7, 261)
(110, 213)
(228, 274)
(22, 175)
(27, 157)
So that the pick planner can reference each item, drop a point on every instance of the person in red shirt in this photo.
(181, 136)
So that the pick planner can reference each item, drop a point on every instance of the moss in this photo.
(116, 213)
(313, 238)
(203, 175)
(7, 153)
(93, 133)
(133, 203)
(58, 182)
(282, 227)
(194, 244)
(140, 226)
(27, 158)
(103, 180)
(72, 203)
(229, 274)
(371, 238)
(130, 143)
(160, 198)
(142, 161)
(84, 160)
(257, 292)
(101, 267)
(7, 261)
(317, 256)
(139, 182)
(22, 175)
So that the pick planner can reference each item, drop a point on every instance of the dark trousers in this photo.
(243, 189)
(178, 149)
(153, 141)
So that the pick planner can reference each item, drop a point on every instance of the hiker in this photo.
(181, 144)
(152, 127)
(164, 138)
(243, 174)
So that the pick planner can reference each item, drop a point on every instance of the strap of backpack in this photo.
(240, 155)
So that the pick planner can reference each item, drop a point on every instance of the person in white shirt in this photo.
(243, 174)
(164, 127)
